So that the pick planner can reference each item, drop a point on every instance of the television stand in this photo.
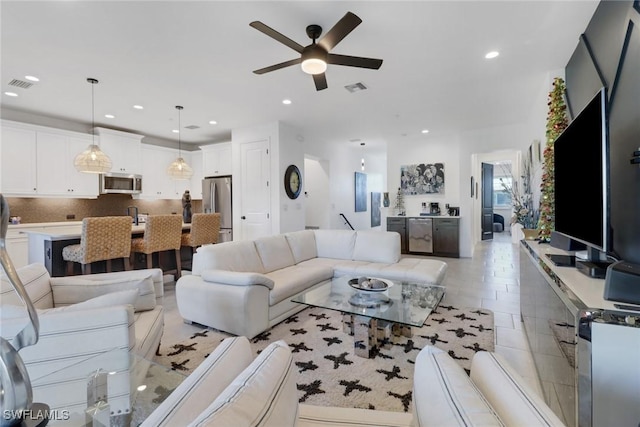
(595, 269)
(562, 260)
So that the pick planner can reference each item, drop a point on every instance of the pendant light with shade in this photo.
(93, 159)
(179, 169)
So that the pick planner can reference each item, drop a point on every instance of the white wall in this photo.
(291, 152)
(344, 160)
(286, 147)
(316, 192)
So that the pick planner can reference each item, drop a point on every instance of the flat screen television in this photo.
(581, 156)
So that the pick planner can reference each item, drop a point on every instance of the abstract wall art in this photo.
(422, 178)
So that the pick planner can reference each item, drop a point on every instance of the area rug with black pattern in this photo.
(330, 374)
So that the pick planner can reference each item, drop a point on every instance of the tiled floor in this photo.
(489, 280)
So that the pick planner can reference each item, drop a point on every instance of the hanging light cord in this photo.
(178, 107)
(93, 120)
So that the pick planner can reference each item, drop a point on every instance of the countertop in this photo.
(424, 216)
(71, 230)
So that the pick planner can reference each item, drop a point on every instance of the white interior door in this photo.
(255, 215)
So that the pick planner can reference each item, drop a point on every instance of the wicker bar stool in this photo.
(102, 239)
(205, 229)
(161, 233)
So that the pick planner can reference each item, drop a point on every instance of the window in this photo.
(501, 197)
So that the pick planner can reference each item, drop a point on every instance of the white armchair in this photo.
(82, 317)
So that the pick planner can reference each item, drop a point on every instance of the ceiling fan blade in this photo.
(320, 80)
(339, 31)
(354, 61)
(277, 36)
(278, 66)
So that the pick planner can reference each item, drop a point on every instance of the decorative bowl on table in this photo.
(370, 284)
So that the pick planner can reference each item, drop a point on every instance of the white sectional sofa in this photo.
(245, 287)
(230, 388)
(82, 318)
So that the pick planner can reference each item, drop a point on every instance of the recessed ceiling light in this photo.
(492, 54)
(110, 116)
(425, 130)
(138, 107)
(11, 94)
(213, 122)
(286, 101)
(32, 78)
(175, 131)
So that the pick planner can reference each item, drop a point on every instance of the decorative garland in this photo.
(556, 123)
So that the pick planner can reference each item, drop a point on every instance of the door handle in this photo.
(243, 217)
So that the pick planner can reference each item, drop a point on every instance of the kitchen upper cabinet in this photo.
(198, 175)
(216, 159)
(124, 149)
(18, 160)
(57, 175)
(156, 183)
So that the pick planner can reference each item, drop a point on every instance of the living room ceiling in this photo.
(201, 54)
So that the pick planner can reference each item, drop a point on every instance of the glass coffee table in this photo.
(115, 388)
(374, 316)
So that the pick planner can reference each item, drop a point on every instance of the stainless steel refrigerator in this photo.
(216, 197)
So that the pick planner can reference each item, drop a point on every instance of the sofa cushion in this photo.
(264, 394)
(444, 395)
(431, 271)
(292, 280)
(274, 252)
(35, 279)
(335, 243)
(515, 402)
(239, 278)
(72, 290)
(212, 376)
(233, 256)
(377, 246)
(114, 298)
(302, 244)
(148, 326)
(317, 416)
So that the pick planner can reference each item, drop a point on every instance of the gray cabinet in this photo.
(398, 225)
(446, 237)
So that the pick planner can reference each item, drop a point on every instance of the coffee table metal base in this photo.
(370, 335)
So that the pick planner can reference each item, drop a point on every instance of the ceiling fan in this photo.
(315, 57)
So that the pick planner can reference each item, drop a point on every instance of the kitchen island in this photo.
(45, 245)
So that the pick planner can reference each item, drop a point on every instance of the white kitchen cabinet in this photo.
(57, 175)
(17, 247)
(198, 175)
(18, 160)
(156, 183)
(216, 159)
(124, 149)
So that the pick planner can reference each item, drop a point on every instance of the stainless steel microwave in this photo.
(120, 183)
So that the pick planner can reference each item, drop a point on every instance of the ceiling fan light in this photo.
(314, 66)
(92, 160)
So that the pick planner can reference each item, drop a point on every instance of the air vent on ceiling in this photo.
(20, 83)
(355, 87)
(192, 127)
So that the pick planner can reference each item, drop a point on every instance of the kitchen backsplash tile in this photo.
(32, 210)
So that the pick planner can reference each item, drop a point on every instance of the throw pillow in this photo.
(72, 290)
(264, 394)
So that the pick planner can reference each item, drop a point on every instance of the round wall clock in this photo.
(292, 181)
